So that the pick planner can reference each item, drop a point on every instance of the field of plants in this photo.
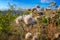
(34, 24)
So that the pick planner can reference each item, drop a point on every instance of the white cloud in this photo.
(46, 1)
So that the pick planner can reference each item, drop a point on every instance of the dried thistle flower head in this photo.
(33, 9)
(53, 3)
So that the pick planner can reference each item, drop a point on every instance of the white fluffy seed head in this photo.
(56, 35)
(18, 19)
(28, 19)
(28, 35)
(35, 38)
(58, 8)
(38, 9)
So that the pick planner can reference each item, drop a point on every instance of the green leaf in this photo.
(1, 28)
(44, 20)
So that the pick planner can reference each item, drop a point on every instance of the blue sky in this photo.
(26, 3)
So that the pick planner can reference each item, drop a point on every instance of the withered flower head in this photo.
(29, 9)
(37, 6)
(33, 9)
